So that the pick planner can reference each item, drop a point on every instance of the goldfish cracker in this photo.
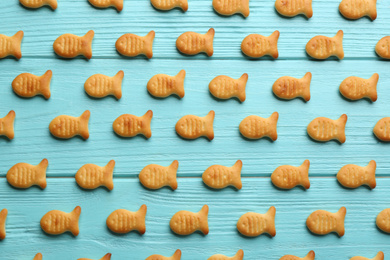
(39, 3)
(38, 256)
(162, 85)
(292, 8)
(253, 224)
(3, 217)
(379, 256)
(323, 222)
(99, 86)
(323, 129)
(122, 221)
(239, 256)
(105, 257)
(287, 176)
(322, 47)
(289, 88)
(219, 176)
(192, 43)
(7, 125)
(256, 45)
(24, 175)
(310, 256)
(255, 127)
(132, 45)
(355, 9)
(382, 48)
(117, 4)
(186, 222)
(355, 88)
(226, 7)
(224, 87)
(383, 220)
(66, 127)
(192, 127)
(91, 176)
(166, 5)
(28, 85)
(382, 129)
(155, 176)
(175, 256)
(56, 222)
(353, 176)
(11, 45)
(129, 125)
(70, 45)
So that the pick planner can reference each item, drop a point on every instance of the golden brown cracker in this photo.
(122, 221)
(186, 222)
(255, 127)
(323, 222)
(28, 85)
(129, 125)
(56, 222)
(256, 45)
(323, 129)
(253, 224)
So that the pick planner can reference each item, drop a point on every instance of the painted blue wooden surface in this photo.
(33, 141)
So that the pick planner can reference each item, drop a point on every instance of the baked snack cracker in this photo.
(289, 88)
(383, 220)
(379, 256)
(11, 45)
(105, 257)
(56, 222)
(117, 4)
(238, 256)
(91, 176)
(99, 85)
(7, 125)
(66, 127)
(225, 87)
(24, 175)
(156, 176)
(162, 85)
(323, 222)
(323, 129)
(122, 221)
(255, 127)
(355, 88)
(353, 176)
(253, 224)
(287, 176)
(226, 7)
(186, 222)
(310, 256)
(70, 45)
(39, 3)
(132, 45)
(175, 256)
(3, 217)
(38, 256)
(191, 43)
(219, 176)
(382, 129)
(355, 9)
(382, 48)
(256, 45)
(292, 8)
(129, 125)
(166, 5)
(322, 47)
(192, 127)
(29, 85)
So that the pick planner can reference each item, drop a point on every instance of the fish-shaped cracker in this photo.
(105, 257)
(225, 87)
(355, 88)
(70, 45)
(383, 220)
(310, 256)
(355, 9)
(192, 127)
(255, 127)
(292, 8)
(117, 4)
(192, 43)
(353, 176)
(253, 224)
(227, 7)
(238, 256)
(323, 222)
(91, 176)
(322, 47)
(66, 127)
(7, 125)
(38, 256)
(56, 222)
(132, 45)
(187, 222)
(162, 85)
(99, 85)
(382, 48)
(3, 217)
(175, 256)
(122, 221)
(11, 45)
(379, 256)
(129, 125)
(287, 176)
(289, 88)
(29, 85)
(166, 5)
(323, 129)
(219, 176)
(156, 176)
(381, 129)
(256, 45)
(39, 3)
(24, 175)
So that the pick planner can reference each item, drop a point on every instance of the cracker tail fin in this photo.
(210, 122)
(379, 256)
(372, 12)
(340, 223)
(88, 37)
(273, 39)
(180, 83)
(339, 44)
(371, 168)
(176, 255)
(117, 91)
(172, 174)
(17, 48)
(242, 86)
(273, 119)
(75, 215)
(237, 172)
(118, 4)
(308, 9)
(109, 172)
(9, 120)
(307, 81)
(245, 8)
(84, 119)
(209, 42)
(149, 38)
(239, 255)
(310, 256)
(53, 4)
(38, 256)
(42, 166)
(3, 217)
(305, 174)
(147, 119)
(184, 5)
(271, 214)
(203, 216)
(45, 83)
(374, 82)
(342, 121)
(142, 214)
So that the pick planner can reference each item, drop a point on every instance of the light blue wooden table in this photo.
(33, 141)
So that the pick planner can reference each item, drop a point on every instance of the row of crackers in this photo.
(189, 43)
(351, 9)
